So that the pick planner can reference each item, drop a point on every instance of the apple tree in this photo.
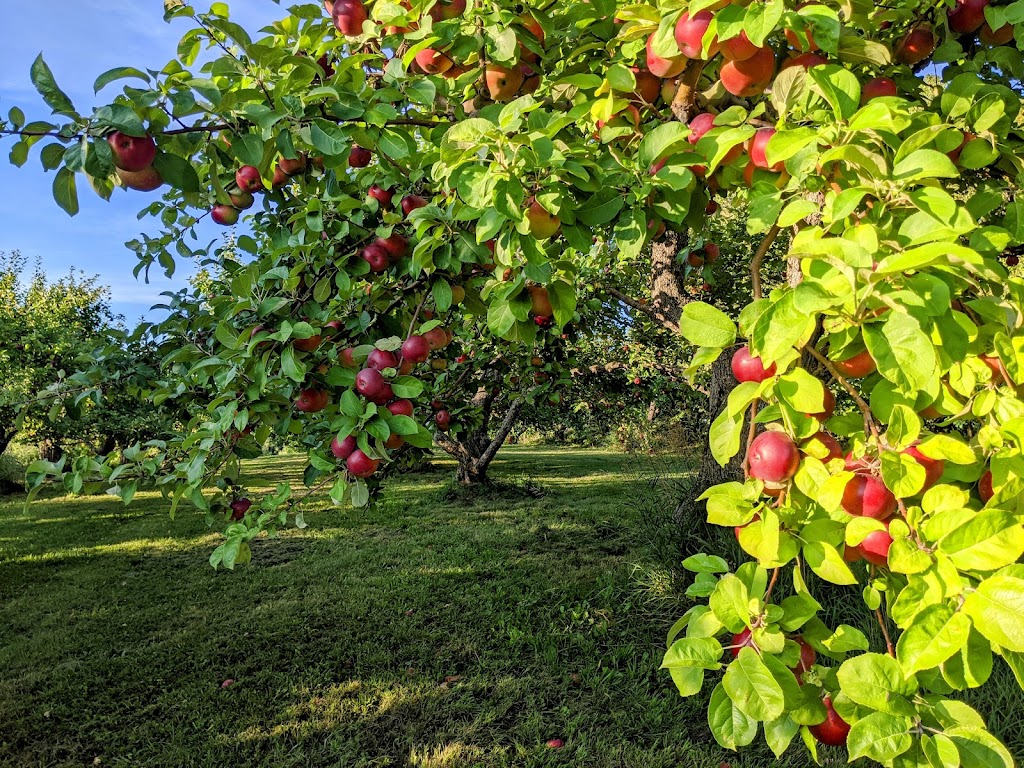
(388, 153)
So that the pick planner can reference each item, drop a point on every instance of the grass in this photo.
(421, 633)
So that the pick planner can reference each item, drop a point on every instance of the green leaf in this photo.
(730, 603)
(730, 727)
(688, 680)
(876, 681)
(707, 326)
(563, 301)
(839, 87)
(65, 191)
(936, 634)
(979, 748)
(991, 540)
(997, 608)
(118, 73)
(905, 355)
(55, 98)
(879, 737)
(779, 733)
(703, 652)
(752, 687)
(825, 560)
(659, 142)
(701, 563)
(924, 164)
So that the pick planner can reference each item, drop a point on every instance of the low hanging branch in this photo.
(647, 309)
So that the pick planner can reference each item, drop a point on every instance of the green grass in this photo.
(421, 633)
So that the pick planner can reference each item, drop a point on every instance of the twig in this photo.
(865, 409)
(885, 632)
(645, 308)
(772, 583)
(751, 432)
(755, 263)
(416, 314)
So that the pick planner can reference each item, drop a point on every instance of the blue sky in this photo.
(80, 41)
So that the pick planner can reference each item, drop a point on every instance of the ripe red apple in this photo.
(933, 468)
(756, 148)
(248, 179)
(411, 202)
(292, 166)
(746, 367)
(542, 224)
(376, 257)
(531, 80)
(348, 16)
(145, 180)
(380, 359)
(280, 177)
(750, 77)
(875, 547)
(443, 10)
(386, 395)
(239, 507)
(437, 338)
(359, 157)
(401, 408)
(396, 245)
(344, 448)
(834, 730)
(381, 195)
(311, 400)
(835, 450)
(917, 46)
(807, 657)
(662, 67)
(648, 86)
(502, 81)
(224, 215)
(773, 457)
(995, 37)
(738, 48)
(829, 407)
(415, 349)
(876, 88)
(996, 366)
(856, 367)
(801, 40)
(443, 420)
(867, 496)
(690, 35)
(985, 490)
(369, 383)
(967, 16)
(711, 252)
(307, 345)
(805, 60)
(361, 465)
(699, 126)
(347, 359)
(433, 62)
(742, 640)
(132, 153)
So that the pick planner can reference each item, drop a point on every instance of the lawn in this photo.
(422, 633)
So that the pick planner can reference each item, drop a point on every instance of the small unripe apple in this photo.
(224, 215)
(344, 448)
(773, 457)
(746, 367)
(361, 465)
(248, 179)
(132, 153)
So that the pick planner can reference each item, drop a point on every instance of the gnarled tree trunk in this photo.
(476, 451)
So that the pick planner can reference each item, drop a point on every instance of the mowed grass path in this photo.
(420, 633)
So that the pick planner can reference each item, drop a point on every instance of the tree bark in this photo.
(722, 383)
(5, 440)
(668, 279)
(474, 456)
(50, 450)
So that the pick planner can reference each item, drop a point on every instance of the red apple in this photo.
(542, 224)
(344, 448)
(411, 202)
(711, 252)
(307, 345)
(746, 367)
(807, 657)
(834, 730)
(985, 489)
(738, 48)
(132, 153)
(690, 32)
(700, 125)
(773, 457)
(750, 77)
(502, 81)
(361, 465)
(348, 16)
(369, 383)
(146, 180)
(875, 547)
(239, 507)
(416, 349)
(359, 157)
(662, 67)
(401, 408)
(917, 46)
(805, 60)
(292, 166)
(436, 338)
(443, 420)
(756, 148)
(995, 37)
(443, 10)
(829, 409)
(876, 88)
(835, 450)
(856, 367)
(648, 86)
(376, 257)
(386, 395)
(347, 359)
(311, 400)
(396, 245)
(248, 179)
(540, 301)
(741, 640)
(224, 215)
(433, 62)
(933, 468)
(381, 359)
(867, 496)
(381, 195)
(967, 16)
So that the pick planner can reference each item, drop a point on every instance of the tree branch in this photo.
(503, 431)
(755, 263)
(647, 309)
(452, 447)
(865, 409)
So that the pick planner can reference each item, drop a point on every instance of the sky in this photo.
(89, 38)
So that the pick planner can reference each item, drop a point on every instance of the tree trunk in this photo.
(50, 450)
(474, 456)
(668, 277)
(5, 440)
(722, 383)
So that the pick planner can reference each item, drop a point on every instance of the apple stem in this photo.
(416, 314)
(865, 409)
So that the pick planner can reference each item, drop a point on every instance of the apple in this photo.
(433, 62)
(458, 294)
(807, 657)
(867, 496)
(746, 367)
(802, 40)
(805, 60)
(394, 442)
(711, 252)
(359, 464)
(381, 195)
(756, 148)
(386, 395)
(985, 490)
(293, 166)
(242, 200)
(376, 257)
(711, 209)
(325, 65)
(348, 16)
(369, 383)
(437, 338)
(531, 80)
(829, 406)
(344, 448)
(311, 400)
(967, 16)
(381, 359)
(239, 507)
(359, 157)
(996, 366)
(933, 468)
(280, 177)
(917, 46)
(145, 180)
(443, 11)
(307, 345)
(741, 640)
(738, 48)
(411, 202)
(876, 88)
(835, 450)
(995, 37)
(415, 349)
(875, 547)
(773, 457)
(750, 77)
(395, 245)
(401, 408)
(661, 67)
(224, 215)
(648, 86)
(248, 179)
(542, 224)
(347, 358)
(132, 153)
(690, 32)
(540, 301)
(502, 81)
(443, 420)
(406, 368)
(856, 367)
(700, 125)
(834, 730)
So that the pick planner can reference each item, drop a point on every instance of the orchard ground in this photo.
(426, 632)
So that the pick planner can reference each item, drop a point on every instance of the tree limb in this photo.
(647, 309)
(755, 263)
(503, 431)
(452, 447)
